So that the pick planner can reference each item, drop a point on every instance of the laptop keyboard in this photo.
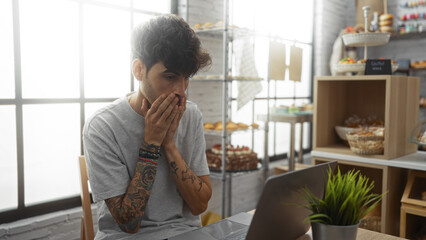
(239, 235)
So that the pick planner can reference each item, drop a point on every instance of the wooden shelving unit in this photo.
(393, 99)
(389, 180)
(413, 209)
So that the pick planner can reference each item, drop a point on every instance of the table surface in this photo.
(416, 161)
(363, 234)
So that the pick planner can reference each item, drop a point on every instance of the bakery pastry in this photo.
(197, 26)
(386, 23)
(254, 125)
(218, 126)
(242, 125)
(208, 125)
(208, 25)
(347, 61)
(231, 126)
(386, 17)
(386, 28)
(239, 158)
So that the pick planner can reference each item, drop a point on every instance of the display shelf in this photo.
(213, 132)
(387, 180)
(356, 67)
(363, 39)
(238, 172)
(415, 161)
(408, 36)
(414, 204)
(231, 79)
(227, 35)
(390, 98)
(233, 32)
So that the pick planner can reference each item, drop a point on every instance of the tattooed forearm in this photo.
(187, 175)
(174, 168)
(201, 184)
(128, 209)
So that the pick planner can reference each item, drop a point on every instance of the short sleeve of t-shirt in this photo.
(199, 160)
(108, 175)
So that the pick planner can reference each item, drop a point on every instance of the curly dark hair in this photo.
(170, 40)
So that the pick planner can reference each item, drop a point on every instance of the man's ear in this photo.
(138, 69)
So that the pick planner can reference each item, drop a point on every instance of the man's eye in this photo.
(170, 76)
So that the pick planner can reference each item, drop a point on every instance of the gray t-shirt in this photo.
(112, 138)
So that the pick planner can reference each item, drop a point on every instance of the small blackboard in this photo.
(378, 67)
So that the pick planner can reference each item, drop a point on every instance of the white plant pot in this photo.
(322, 231)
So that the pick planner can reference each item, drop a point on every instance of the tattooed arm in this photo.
(195, 190)
(128, 209)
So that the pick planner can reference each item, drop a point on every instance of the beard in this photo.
(148, 91)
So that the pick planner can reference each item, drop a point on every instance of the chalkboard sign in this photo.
(378, 67)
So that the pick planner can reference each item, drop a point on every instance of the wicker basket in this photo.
(365, 145)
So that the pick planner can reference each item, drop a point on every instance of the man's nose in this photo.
(180, 87)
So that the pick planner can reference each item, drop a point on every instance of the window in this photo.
(60, 61)
(290, 29)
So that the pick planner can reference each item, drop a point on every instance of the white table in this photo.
(415, 161)
(292, 119)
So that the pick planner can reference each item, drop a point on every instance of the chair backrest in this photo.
(87, 231)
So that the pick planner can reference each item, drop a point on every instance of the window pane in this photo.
(49, 47)
(162, 6)
(51, 150)
(288, 13)
(7, 71)
(8, 162)
(125, 3)
(139, 18)
(106, 52)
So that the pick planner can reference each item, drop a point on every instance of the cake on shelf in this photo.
(237, 159)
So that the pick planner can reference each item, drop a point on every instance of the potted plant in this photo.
(347, 199)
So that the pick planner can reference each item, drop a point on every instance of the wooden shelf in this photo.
(409, 36)
(387, 180)
(393, 99)
(412, 204)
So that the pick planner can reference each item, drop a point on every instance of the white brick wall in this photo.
(58, 225)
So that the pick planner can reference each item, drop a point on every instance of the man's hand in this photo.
(159, 117)
(169, 138)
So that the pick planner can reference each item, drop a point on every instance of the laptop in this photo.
(278, 213)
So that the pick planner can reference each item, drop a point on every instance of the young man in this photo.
(145, 152)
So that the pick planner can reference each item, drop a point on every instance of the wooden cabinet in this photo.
(389, 180)
(394, 99)
(413, 208)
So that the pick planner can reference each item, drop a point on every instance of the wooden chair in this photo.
(87, 232)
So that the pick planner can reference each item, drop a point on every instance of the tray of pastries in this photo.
(419, 64)
(217, 127)
(352, 65)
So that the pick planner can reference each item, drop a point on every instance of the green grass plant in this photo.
(347, 199)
